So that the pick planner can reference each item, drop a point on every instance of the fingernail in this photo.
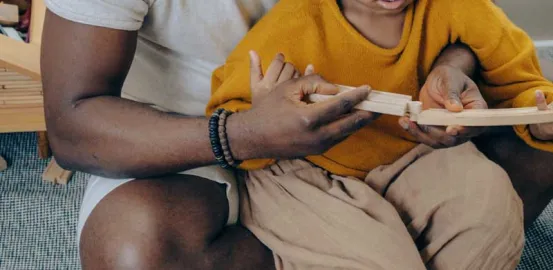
(455, 102)
(452, 131)
(404, 123)
(540, 95)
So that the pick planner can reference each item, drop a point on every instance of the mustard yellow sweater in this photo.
(315, 31)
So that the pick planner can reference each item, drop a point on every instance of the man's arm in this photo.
(90, 127)
(93, 130)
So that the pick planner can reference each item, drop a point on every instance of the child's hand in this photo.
(542, 132)
(447, 87)
(278, 72)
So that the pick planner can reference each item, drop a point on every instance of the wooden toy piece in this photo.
(377, 101)
(3, 164)
(414, 108)
(486, 117)
(56, 174)
(9, 14)
(21, 4)
(401, 105)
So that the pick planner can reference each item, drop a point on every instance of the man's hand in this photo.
(542, 132)
(280, 124)
(447, 87)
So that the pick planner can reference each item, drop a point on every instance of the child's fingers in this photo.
(275, 68)
(309, 70)
(541, 102)
(287, 73)
(297, 74)
(256, 72)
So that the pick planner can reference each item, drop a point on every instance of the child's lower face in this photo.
(385, 6)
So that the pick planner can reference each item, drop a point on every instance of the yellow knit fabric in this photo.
(315, 31)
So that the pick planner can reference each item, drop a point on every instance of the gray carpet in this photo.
(38, 220)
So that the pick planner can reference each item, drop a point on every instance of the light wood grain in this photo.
(372, 106)
(22, 119)
(490, 117)
(9, 14)
(56, 174)
(377, 101)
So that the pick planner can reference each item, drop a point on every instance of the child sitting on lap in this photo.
(365, 202)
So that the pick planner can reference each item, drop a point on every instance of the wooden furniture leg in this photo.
(43, 145)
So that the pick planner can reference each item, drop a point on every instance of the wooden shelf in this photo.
(21, 99)
(25, 57)
(21, 103)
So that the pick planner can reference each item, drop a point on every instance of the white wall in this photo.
(534, 16)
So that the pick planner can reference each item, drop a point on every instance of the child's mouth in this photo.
(391, 4)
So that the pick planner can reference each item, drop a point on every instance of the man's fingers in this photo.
(331, 109)
(541, 102)
(297, 74)
(256, 72)
(287, 73)
(275, 68)
(440, 135)
(347, 125)
(432, 136)
(417, 133)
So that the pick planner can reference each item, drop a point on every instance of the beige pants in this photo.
(436, 209)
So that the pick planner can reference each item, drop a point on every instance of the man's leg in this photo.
(461, 209)
(530, 170)
(175, 222)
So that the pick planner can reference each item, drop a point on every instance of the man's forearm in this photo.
(118, 138)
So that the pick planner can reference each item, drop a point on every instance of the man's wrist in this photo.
(241, 137)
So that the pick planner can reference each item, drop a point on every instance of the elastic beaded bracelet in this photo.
(223, 140)
(214, 138)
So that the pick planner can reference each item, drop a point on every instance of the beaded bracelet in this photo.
(214, 138)
(218, 139)
(223, 140)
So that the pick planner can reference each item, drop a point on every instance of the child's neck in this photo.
(382, 30)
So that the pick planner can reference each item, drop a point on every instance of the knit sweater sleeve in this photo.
(510, 68)
(274, 33)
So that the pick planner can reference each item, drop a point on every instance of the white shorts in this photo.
(99, 187)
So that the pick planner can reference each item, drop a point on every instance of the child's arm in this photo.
(300, 129)
(230, 83)
(510, 68)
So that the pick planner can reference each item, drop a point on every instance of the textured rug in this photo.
(38, 220)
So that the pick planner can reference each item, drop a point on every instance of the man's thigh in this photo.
(461, 209)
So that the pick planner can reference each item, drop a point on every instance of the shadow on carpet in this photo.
(38, 220)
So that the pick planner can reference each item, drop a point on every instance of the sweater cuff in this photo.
(527, 99)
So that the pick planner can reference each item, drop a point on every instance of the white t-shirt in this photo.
(180, 42)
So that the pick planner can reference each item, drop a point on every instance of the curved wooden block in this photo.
(401, 105)
(490, 117)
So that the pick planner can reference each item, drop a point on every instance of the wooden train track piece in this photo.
(402, 105)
